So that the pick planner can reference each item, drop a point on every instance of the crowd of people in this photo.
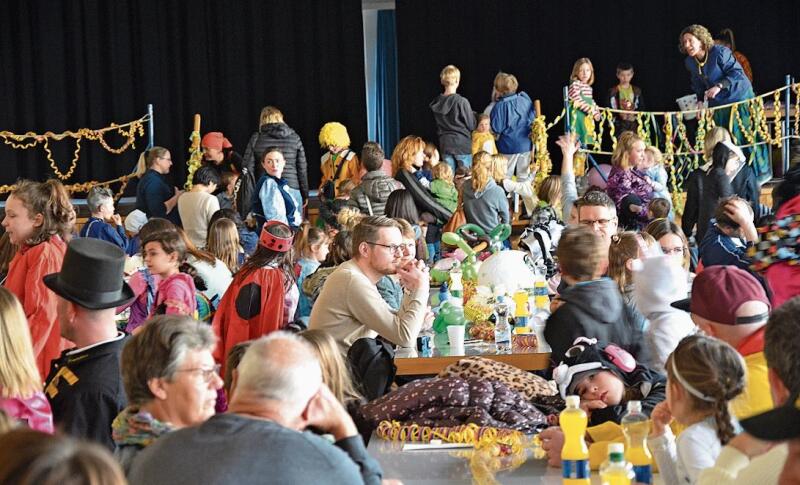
(222, 317)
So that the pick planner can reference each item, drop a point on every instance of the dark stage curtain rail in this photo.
(86, 63)
(538, 41)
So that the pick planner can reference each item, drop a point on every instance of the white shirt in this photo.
(681, 460)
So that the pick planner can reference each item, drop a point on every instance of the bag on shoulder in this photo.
(328, 189)
(458, 218)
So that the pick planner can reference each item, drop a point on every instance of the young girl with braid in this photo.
(703, 375)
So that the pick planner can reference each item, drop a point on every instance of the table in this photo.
(409, 362)
(439, 467)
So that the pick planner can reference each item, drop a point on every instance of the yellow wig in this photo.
(334, 134)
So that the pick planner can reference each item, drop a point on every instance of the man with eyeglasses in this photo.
(84, 386)
(349, 306)
(597, 211)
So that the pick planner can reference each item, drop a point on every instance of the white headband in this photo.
(694, 392)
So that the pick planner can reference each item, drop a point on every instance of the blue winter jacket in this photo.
(511, 118)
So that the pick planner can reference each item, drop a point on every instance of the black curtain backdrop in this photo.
(538, 41)
(86, 63)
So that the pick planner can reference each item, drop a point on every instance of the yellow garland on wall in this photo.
(129, 131)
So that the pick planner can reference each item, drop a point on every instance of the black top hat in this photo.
(91, 275)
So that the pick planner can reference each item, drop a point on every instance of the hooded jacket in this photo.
(594, 309)
(423, 199)
(373, 191)
(656, 285)
(488, 207)
(511, 118)
(282, 136)
(454, 123)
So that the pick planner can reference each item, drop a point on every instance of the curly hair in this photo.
(404, 152)
(51, 200)
(702, 34)
(334, 134)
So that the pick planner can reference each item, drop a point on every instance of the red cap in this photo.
(215, 139)
(719, 291)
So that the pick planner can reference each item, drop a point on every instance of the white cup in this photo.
(455, 334)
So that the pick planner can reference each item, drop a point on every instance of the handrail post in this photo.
(151, 139)
(566, 110)
(787, 126)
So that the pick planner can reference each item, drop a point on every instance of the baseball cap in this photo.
(779, 424)
(719, 291)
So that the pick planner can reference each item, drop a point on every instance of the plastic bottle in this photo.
(615, 470)
(575, 453)
(542, 300)
(502, 329)
(522, 310)
(636, 427)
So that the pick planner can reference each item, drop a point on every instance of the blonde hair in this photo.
(406, 229)
(550, 191)
(349, 217)
(505, 84)
(625, 143)
(577, 66)
(147, 158)
(405, 151)
(715, 135)
(481, 170)
(702, 34)
(658, 157)
(443, 171)
(334, 134)
(223, 242)
(306, 237)
(19, 376)
(499, 166)
(625, 246)
(450, 75)
(335, 373)
(270, 114)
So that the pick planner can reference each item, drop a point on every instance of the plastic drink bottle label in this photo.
(575, 469)
(644, 474)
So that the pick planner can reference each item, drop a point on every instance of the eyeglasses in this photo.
(208, 374)
(394, 248)
(602, 223)
(671, 251)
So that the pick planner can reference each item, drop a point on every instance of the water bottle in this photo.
(615, 470)
(502, 329)
(575, 453)
(636, 427)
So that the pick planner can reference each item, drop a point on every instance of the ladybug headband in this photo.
(276, 236)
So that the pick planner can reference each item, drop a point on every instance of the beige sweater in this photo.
(196, 209)
(349, 307)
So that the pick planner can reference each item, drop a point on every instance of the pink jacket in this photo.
(33, 411)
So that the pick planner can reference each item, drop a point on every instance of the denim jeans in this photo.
(466, 160)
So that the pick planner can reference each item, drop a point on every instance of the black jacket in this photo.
(454, 123)
(282, 136)
(422, 197)
(86, 393)
(594, 309)
(703, 191)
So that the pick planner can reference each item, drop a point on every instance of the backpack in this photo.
(328, 189)
(372, 364)
(541, 240)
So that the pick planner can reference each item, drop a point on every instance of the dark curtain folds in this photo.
(86, 63)
(539, 41)
(387, 110)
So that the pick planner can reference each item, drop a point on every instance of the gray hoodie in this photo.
(488, 207)
(454, 123)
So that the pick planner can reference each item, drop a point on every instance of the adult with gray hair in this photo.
(264, 437)
(349, 306)
(104, 224)
(171, 381)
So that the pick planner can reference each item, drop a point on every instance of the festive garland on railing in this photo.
(83, 187)
(129, 131)
(195, 158)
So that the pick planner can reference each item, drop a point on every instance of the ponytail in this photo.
(147, 158)
(306, 237)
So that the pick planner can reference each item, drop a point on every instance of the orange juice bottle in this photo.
(575, 454)
(636, 427)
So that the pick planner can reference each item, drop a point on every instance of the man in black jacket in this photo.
(274, 132)
(84, 386)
